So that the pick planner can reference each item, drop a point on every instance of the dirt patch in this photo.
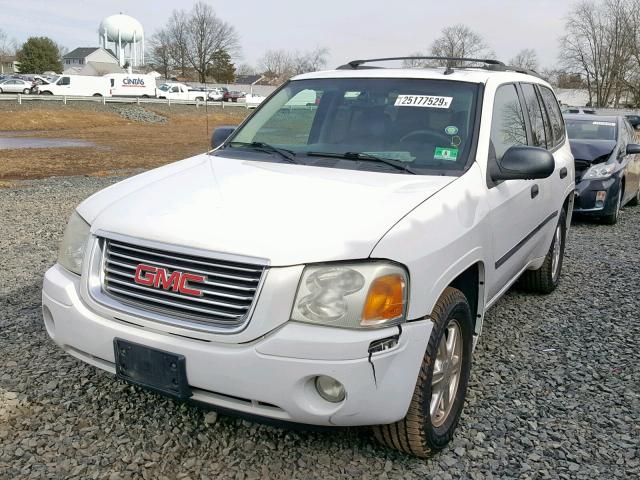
(120, 144)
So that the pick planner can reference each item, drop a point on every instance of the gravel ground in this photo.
(554, 392)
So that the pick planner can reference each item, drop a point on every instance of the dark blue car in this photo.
(607, 164)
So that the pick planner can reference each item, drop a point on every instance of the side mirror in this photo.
(221, 134)
(633, 148)
(524, 163)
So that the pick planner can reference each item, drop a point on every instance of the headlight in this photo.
(73, 244)
(601, 170)
(358, 295)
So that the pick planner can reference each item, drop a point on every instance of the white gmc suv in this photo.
(331, 260)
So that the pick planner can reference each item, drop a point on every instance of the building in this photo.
(8, 64)
(90, 61)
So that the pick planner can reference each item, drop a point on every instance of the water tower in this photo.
(125, 36)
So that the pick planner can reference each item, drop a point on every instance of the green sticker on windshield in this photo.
(449, 154)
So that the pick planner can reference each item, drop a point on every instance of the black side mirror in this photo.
(221, 134)
(524, 163)
(633, 148)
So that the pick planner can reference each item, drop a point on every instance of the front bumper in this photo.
(585, 196)
(272, 376)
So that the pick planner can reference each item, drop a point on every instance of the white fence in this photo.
(20, 98)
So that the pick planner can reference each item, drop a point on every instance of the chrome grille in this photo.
(227, 292)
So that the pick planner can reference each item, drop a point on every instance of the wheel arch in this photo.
(471, 282)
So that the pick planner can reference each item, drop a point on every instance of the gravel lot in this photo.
(554, 393)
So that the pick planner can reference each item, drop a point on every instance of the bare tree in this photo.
(527, 59)
(597, 44)
(460, 41)
(177, 31)
(310, 61)
(455, 41)
(207, 37)
(245, 69)
(161, 52)
(276, 65)
(8, 47)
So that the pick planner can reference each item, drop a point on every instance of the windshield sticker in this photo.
(429, 101)
(451, 130)
(448, 154)
(606, 124)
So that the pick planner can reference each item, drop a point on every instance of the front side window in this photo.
(507, 125)
(64, 81)
(555, 116)
(418, 123)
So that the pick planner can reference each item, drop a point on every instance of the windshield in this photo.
(164, 87)
(425, 124)
(590, 129)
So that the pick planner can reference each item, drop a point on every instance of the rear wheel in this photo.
(46, 92)
(441, 387)
(97, 95)
(546, 278)
(26, 91)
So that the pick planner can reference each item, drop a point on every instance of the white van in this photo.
(132, 85)
(81, 85)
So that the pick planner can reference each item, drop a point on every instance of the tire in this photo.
(612, 219)
(26, 91)
(546, 278)
(46, 92)
(420, 433)
(1, 91)
(97, 95)
(635, 201)
(145, 96)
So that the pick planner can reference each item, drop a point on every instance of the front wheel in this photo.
(26, 91)
(441, 387)
(635, 201)
(612, 218)
(546, 278)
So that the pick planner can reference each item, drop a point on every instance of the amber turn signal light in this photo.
(385, 300)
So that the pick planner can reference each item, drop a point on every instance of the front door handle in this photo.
(534, 191)
(563, 172)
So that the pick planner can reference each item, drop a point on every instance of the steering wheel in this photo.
(436, 137)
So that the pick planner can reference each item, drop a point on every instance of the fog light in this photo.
(600, 198)
(330, 389)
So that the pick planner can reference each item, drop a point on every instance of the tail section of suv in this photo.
(330, 262)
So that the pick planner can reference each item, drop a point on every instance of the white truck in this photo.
(331, 264)
(132, 85)
(179, 91)
(80, 85)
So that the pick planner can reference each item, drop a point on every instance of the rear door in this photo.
(517, 206)
(632, 174)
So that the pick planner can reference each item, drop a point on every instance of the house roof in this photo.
(94, 68)
(84, 52)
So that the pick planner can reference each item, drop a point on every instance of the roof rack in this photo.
(487, 64)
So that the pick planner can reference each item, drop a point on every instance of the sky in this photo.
(350, 29)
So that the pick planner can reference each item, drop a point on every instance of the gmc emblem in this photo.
(158, 277)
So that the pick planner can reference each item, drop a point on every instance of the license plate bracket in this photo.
(158, 370)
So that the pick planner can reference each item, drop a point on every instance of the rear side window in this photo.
(535, 115)
(507, 125)
(555, 117)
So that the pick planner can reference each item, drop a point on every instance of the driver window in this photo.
(65, 81)
(507, 125)
(175, 89)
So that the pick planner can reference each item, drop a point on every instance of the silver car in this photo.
(15, 85)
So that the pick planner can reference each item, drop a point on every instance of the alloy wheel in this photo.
(446, 374)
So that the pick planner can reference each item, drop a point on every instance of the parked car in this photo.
(232, 96)
(80, 85)
(327, 264)
(253, 99)
(15, 85)
(634, 121)
(215, 94)
(179, 91)
(607, 165)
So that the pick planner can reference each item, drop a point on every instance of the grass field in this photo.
(119, 144)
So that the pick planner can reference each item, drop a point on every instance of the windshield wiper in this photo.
(288, 155)
(398, 165)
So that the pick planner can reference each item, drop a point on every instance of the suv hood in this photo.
(592, 151)
(286, 214)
